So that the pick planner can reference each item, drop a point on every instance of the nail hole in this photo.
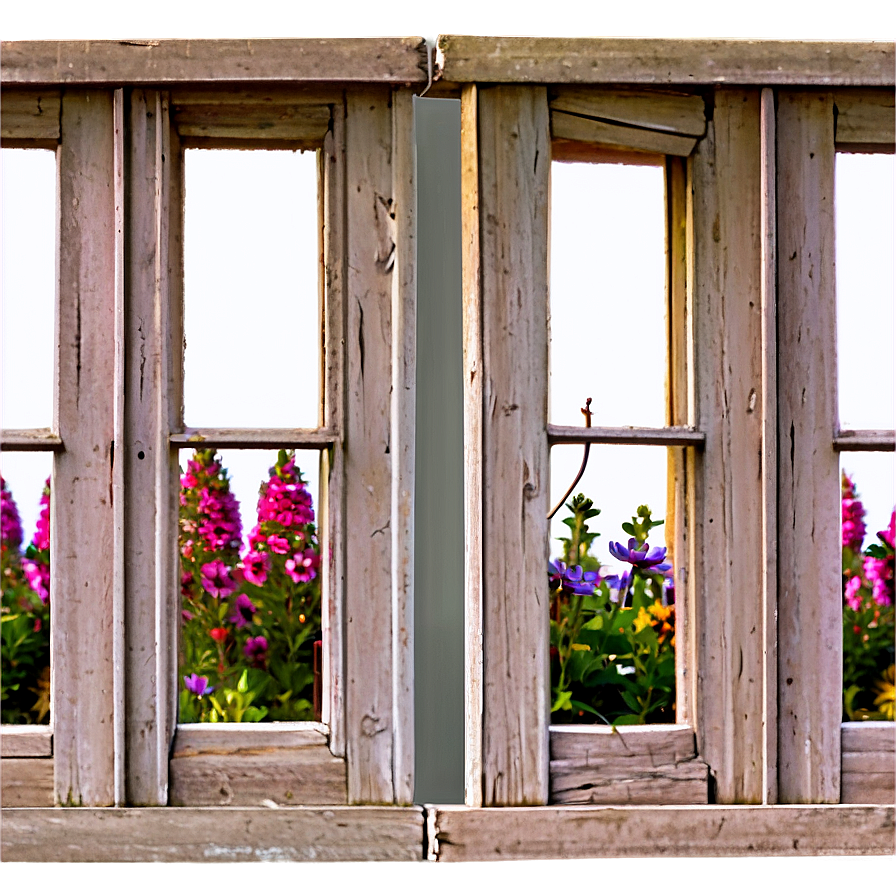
(141, 455)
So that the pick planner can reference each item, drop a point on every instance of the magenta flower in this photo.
(38, 577)
(256, 648)
(879, 573)
(197, 684)
(644, 558)
(256, 566)
(216, 579)
(852, 516)
(851, 592)
(302, 567)
(10, 523)
(278, 544)
(242, 612)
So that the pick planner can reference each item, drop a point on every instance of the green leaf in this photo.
(562, 701)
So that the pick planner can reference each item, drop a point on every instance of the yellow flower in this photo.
(885, 700)
(643, 620)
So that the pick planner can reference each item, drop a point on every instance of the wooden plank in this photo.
(395, 60)
(665, 744)
(185, 97)
(473, 413)
(868, 788)
(881, 761)
(151, 574)
(368, 473)
(25, 782)
(673, 112)
(810, 663)
(25, 741)
(868, 737)
(514, 159)
(865, 118)
(332, 415)
(587, 130)
(727, 296)
(83, 676)
(465, 834)
(288, 776)
(302, 123)
(565, 60)
(230, 737)
(625, 435)
(865, 440)
(769, 439)
(30, 440)
(403, 418)
(334, 834)
(31, 115)
(594, 153)
(321, 437)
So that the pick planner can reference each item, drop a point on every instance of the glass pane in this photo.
(29, 286)
(608, 294)
(25, 626)
(868, 500)
(250, 586)
(612, 593)
(251, 266)
(865, 293)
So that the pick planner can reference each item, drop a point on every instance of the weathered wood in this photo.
(865, 440)
(867, 788)
(334, 834)
(184, 98)
(30, 115)
(659, 110)
(230, 737)
(566, 60)
(587, 130)
(332, 199)
(868, 737)
(396, 60)
(370, 252)
(593, 153)
(514, 160)
(865, 118)
(304, 125)
(82, 671)
(322, 437)
(256, 774)
(473, 411)
(769, 438)
(882, 761)
(810, 649)
(727, 297)
(30, 440)
(465, 834)
(868, 762)
(25, 782)
(151, 575)
(624, 435)
(666, 744)
(25, 741)
(403, 418)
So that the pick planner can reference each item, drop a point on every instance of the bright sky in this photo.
(251, 316)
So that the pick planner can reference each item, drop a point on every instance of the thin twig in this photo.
(587, 412)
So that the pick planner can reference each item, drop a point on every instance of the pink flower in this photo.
(851, 592)
(256, 566)
(256, 648)
(10, 523)
(243, 611)
(38, 577)
(41, 538)
(302, 567)
(216, 579)
(278, 544)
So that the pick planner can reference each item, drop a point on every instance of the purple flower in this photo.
(644, 558)
(572, 579)
(256, 566)
(38, 577)
(41, 538)
(255, 648)
(618, 585)
(10, 522)
(302, 567)
(243, 610)
(216, 579)
(197, 684)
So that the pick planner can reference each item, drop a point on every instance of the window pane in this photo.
(612, 633)
(25, 641)
(608, 293)
(29, 286)
(865, 293)
(250, 586)
(251, 264)
(868, 499)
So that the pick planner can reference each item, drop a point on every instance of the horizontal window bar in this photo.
(26, 741)
(624, 435)
(256, 438)
(865, 440)
(30, 440)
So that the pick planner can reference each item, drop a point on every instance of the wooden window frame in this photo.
(120, 159)
(740, 654)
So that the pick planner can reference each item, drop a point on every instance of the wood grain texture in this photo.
(403, 420)
(727, 297)
(334, 834)
(514, 159)
(625, 435)
(868, 737)
(25, 782)
(810, 647)
(200, 737)
(322, 437)
(616, 136)
(30, 115)
(865, 118)
(473, 411)
(303, 125)
(25, 741)
(30, 440)
(397, 60)
(658, 110)
(566, 832)
(83, 676)
(868, 762)
(564, 60)
(370, 253)
(865, 440)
